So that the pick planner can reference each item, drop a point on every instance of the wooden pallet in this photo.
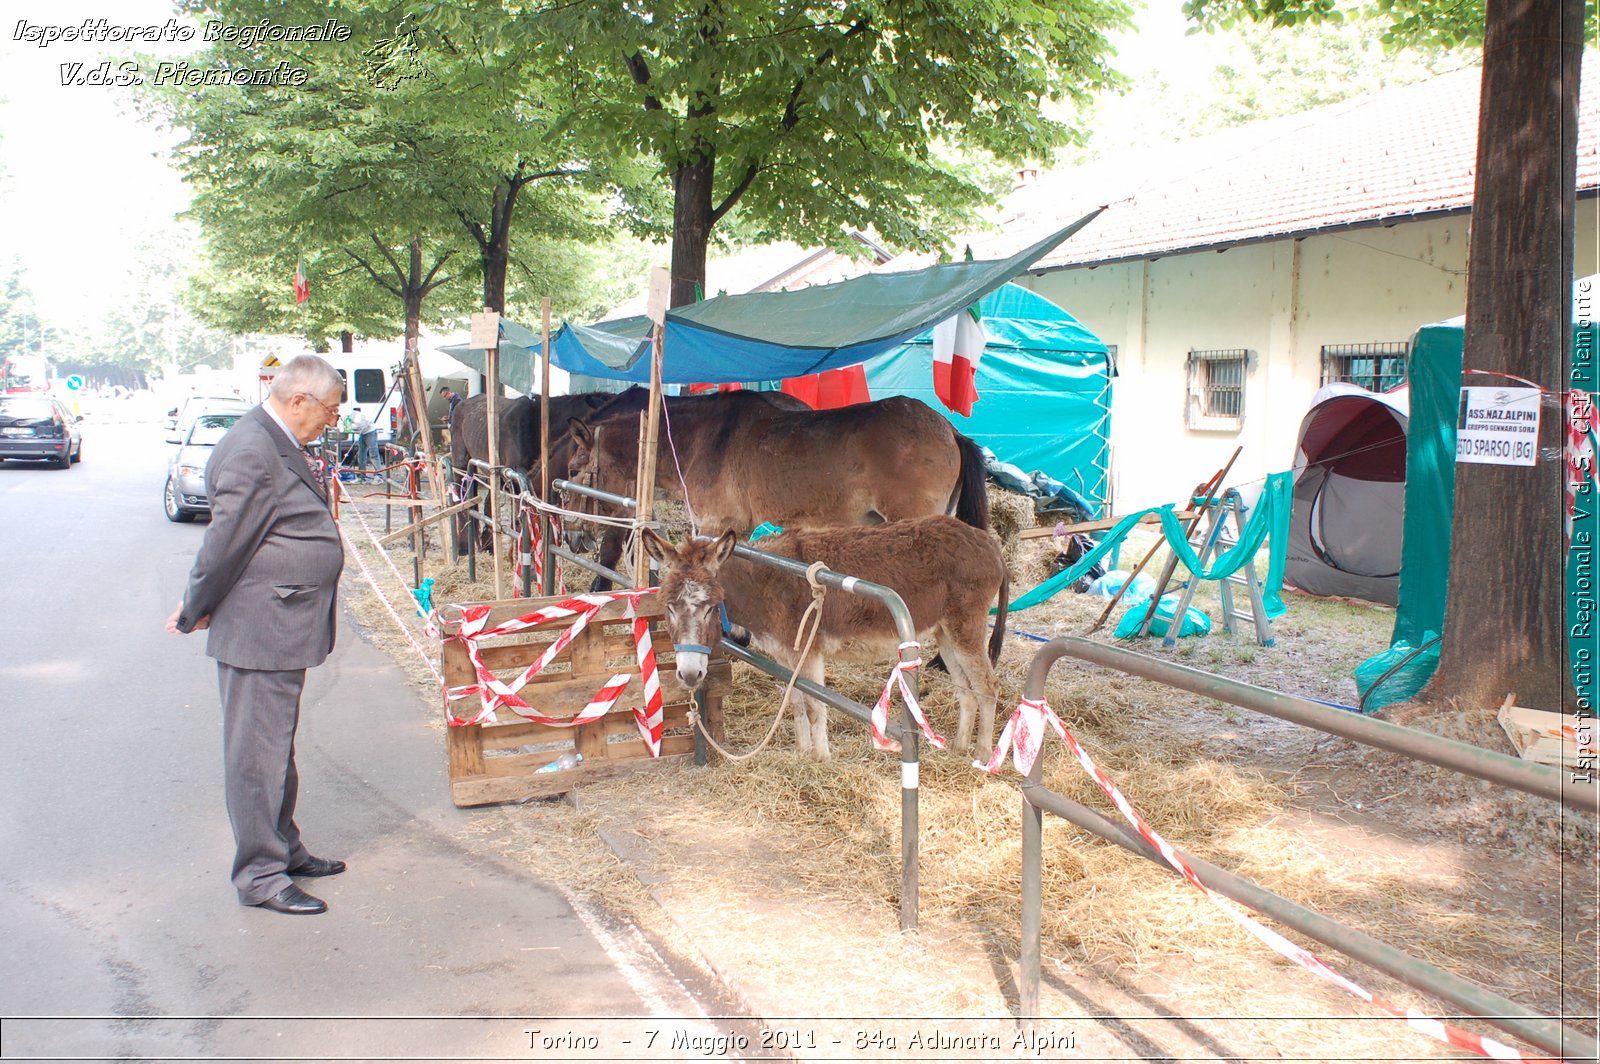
(497, 761)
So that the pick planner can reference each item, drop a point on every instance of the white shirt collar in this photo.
(272, 412)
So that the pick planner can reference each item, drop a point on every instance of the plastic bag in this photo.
(1397, 674)
(1195, 620)
(1109, 584)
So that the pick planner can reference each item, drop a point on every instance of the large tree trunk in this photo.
(497, 248)
(1504, 616)
(691, 227)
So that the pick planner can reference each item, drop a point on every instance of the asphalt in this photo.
(123, 937)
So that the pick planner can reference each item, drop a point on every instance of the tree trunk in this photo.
(497, 248)
(691, 227)
(1504, 610)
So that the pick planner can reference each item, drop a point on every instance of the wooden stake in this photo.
(419, 404)
(492, 371)
(647, 467)
(546, 560)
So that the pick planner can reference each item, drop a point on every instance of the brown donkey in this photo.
(744, 462)
(947, 572)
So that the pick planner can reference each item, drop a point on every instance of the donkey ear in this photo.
(724, 546)
(658, 548)
(581, 432)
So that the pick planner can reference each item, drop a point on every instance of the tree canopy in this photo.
(810, 119)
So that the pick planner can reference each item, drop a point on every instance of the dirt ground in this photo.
(782, 877)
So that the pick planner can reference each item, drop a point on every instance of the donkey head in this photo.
(578, 449)
(692, 591)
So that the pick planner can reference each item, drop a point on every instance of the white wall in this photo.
(1283, 300)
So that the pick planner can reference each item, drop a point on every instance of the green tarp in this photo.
(1435, 372)
(777, 335)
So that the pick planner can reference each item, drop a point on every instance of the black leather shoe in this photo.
(318, 866)
(294, 902)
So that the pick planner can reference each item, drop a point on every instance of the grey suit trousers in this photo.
(260, 709)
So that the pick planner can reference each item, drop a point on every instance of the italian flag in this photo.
(302, 287)
(958, 344)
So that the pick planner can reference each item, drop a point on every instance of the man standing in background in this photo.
(265, 586)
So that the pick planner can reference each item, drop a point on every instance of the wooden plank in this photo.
(401, 533)
(465, 750)
(487, 790)
(504, 610)
(1100, 526)
(456, 665)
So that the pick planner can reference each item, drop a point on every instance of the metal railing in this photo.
(1543, 1031)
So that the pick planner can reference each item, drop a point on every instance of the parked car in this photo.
(38, 426)
(184, 495)
(180, 417)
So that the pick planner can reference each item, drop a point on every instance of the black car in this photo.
(37, 426)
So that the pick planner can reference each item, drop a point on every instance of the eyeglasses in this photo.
(332, 412)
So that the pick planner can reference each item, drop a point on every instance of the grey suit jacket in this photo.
(268, 569)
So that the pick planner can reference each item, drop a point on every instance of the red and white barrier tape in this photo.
(535, 549)
(494, 693)
(1024, 733)
(399, 621)
(880, 710)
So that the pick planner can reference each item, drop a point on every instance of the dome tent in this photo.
(1349, 494)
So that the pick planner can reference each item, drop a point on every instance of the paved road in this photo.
(115, 906)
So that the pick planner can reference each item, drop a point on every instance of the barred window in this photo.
(1216, 388)
(1375, 367)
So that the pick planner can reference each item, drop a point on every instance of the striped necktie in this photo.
(316, 474)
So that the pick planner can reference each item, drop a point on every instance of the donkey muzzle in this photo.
(693, 662)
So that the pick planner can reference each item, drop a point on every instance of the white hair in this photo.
(305, 373)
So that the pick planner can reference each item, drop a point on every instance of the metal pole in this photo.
(910, 782)
(1500, 1012)
(1493, 1009)
(1541, 780)
(1032, 903)
(910, 765)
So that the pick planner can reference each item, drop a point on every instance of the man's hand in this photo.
(200, 625)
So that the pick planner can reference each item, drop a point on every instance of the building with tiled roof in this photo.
(1237, 272)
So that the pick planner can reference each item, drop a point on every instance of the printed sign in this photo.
(75, 383)
(485, 330)
(660, 294)
(1498, 426)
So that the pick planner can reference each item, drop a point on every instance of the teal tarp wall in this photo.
(1044, 389)
(1435, 371)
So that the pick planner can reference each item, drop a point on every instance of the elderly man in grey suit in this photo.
(264, 585)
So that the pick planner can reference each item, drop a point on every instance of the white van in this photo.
(370, 385)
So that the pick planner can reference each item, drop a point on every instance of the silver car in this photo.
(185, 493)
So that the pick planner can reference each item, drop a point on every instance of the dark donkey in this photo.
(743, 464)
(518, 438)
(947, 572)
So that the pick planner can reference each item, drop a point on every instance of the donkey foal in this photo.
(947, 572)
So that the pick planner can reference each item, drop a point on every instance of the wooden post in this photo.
(647, 464)
(546, 561)
(656, 310)
(492, 370)
(419, 404)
